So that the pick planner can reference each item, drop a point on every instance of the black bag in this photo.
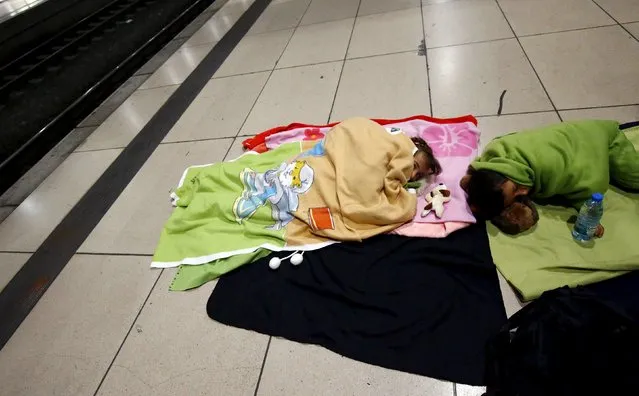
(567, 342)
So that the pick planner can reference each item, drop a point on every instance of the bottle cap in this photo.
(597, 197)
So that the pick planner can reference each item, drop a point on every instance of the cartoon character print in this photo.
(280, 187)
(316, 151)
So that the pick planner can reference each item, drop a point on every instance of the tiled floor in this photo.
(108, 325)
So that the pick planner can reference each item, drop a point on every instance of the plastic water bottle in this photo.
(588, 219)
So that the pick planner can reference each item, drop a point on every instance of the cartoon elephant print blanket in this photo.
(300, 196)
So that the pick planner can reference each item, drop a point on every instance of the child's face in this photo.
(520, 214)
(421, 166)
(511, 191)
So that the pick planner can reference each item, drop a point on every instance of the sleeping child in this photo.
(424, 162)
(569, 161)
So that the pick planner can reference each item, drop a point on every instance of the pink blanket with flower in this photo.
(455, 145)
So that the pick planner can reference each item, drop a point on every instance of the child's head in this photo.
(489, 192)
(424, 162)
(518, 217)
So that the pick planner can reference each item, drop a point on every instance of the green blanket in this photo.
(546, 257)
(300, 196)
(202, 228)
(569, 159)
(192, 276)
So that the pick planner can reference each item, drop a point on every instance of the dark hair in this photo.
(425, 148)
(485, 193)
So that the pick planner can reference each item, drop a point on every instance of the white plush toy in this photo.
(436, 199)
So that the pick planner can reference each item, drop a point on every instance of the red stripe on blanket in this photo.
(258, 142)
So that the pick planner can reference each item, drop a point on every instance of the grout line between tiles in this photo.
(97, 149)
(228, 150)
(198, 140)
(212, 78)
(378, 55)
(552, 111)
(614, 19)
(15, 252)
(335, 20)
(529, 61)
(156, 87)
(259, 378)
(113, 254)
(270, 74)
(261, 90)
(568, 30)
(314, 64)
(240, 74)
(430, 95)
(522, 36)
(454, 389)
(600, 107)
(310, 64)
(470, 43)
(128, 332)
(329, 21)
(339, 79)
(387, 12)
(513, 114)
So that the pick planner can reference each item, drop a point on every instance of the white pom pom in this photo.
(412, 191)
(274, 263)
(297, 259)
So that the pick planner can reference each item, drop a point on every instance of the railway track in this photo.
(52, 86)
